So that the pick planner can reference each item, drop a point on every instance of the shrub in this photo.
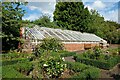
(97, 52)
(48, 44)
(53, 67)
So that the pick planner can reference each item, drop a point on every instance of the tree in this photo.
(44, 21)
(72, 16)
(12, 14)
(96, 22)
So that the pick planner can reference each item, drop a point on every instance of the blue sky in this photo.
(107, 9)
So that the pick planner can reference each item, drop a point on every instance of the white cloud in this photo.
(46, 8)
(32, 7)
(98, 4)
(32, 17)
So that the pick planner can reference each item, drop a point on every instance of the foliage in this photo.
(114, 51)
(52, 67)
(76, 66)
(82, 71)
(10, 72)
(104, 64)
(72, 16)
(23, 67)
(44, 21)
(10, 62)
(66, 54)
(12, 14)
(51, 44)
(97, 52)
(88, 74)
(14, 55)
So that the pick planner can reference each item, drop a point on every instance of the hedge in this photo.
(10, 62)
(62, 54)
(97, 63)
(66, 54)
(11, 56)
(76, 66)
(88, 74)
(83, 71)
(23, 67)
(10, 72)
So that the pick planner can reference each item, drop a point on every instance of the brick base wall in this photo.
(90, 45)
(78, 47)
(74, 47)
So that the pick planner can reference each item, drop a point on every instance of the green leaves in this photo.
(44, 21)
(53, 67)
(48, 44)
(72, 16)
(11, 22)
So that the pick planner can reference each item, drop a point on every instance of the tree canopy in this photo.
(72, 16)
(44, 21)
(12, 14)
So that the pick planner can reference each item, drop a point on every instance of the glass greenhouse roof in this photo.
(40, 33)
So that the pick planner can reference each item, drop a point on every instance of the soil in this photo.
(70, 59)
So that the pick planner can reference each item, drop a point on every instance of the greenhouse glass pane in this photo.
(68, 36)
(60, 34)
(52, 34)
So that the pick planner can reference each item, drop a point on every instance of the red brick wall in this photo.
(78, 47)
(90, 45)
(74, 47)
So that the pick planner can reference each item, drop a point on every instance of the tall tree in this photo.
(12, 14)
(72, 15)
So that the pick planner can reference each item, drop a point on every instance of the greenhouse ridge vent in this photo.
(72, 40)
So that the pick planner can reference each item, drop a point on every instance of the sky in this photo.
(108, 9)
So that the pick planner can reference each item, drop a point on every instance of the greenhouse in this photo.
(72, 40)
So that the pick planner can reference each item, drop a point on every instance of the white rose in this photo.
(45, 65)
(63, 58)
